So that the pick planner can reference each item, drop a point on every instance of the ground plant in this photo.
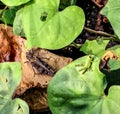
(88, 85)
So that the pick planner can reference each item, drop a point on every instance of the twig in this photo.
(110, 36)
(99, 32)
(3, 10)
(97, 4)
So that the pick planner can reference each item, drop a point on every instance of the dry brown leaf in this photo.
(109, 55)
(9, 45)
(29, 78)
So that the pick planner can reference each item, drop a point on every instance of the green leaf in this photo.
(10, 77)
(66, 3)
(111, 103)
(9, 15)
(94, 47)
(14, 2)
(79, 87)
(16, 106)
(17, 25)
(111, 11)
(46, 27)
(114, 64)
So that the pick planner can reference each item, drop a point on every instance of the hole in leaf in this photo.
(43, 16)
(19, 107)
(6, 80)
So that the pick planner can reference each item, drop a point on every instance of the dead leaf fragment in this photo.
(41, 81)
(29, 78)
(9, 45)
(108, 55)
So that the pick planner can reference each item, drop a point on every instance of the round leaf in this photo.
(17, 25)
(10, 76)
(46, 27)
(111, 103)
(79, 89)
(16, 106)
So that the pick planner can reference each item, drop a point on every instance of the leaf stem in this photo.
(99, 32)
(75, 45)
(109, 36)
(3, 10)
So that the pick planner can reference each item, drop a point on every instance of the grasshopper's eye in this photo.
(43, 16)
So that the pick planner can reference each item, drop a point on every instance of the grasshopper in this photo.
(87, 64)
